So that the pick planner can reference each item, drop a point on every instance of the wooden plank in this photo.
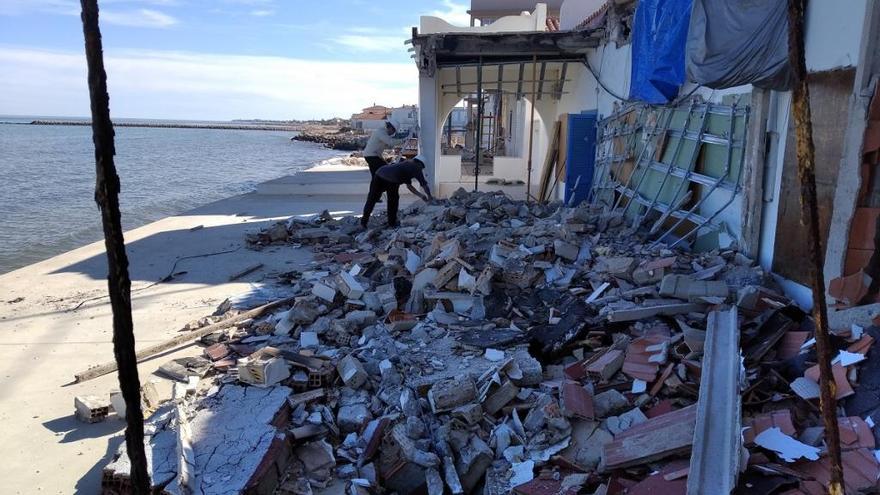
(666, 435)
(110, 367)
(549, 161)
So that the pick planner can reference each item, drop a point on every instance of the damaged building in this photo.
(611, 298)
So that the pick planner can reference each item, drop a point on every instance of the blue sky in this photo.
(215, 59)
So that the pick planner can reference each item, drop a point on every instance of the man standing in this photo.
(380, 140)
(388, 179)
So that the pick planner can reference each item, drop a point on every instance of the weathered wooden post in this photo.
(119, 283)
(806, 158)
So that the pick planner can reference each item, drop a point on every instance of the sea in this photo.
(47, 178)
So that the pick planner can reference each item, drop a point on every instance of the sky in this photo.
(215, 59)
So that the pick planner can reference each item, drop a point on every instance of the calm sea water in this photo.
(47, 179)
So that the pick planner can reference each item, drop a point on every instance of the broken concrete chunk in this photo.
(609, 402)
(361, 318)
(587, 441)
(619, 424)
(324, 292)
(353, 417)
(565, 250)
(473, 460)
(352, 372)
(530, 370)
(316, 456)
(308, 340)
(469, 413)
(684, 287)
(450, 393)
(466, 281)
(500, 397)
(493, 355)
(616, 267)
(304, 312)
(424, 278)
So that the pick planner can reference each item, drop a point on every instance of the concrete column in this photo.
(849, 178)
(431, 125)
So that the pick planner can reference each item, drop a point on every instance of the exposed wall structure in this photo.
(837, 38)
(849, 179)
(829, 94)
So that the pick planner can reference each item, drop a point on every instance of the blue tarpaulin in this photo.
(660, 32)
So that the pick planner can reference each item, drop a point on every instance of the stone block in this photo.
(91, 408)
(349, 286)
(352, 371)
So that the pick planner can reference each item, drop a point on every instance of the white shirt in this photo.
(380, 141)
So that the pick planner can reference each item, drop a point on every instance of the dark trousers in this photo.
(378, 186)
(375, 162)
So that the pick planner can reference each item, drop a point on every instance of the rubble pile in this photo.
(494, 346)
(342, 139)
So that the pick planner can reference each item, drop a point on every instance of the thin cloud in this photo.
(367, 43)
(186, 85)
(453, 12)
(262, 13)
(57, 7)
(375, 40)
(146, 18)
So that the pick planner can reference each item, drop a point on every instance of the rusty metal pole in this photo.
(810, 219)
(118, 282)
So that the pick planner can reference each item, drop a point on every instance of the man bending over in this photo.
(388, 180)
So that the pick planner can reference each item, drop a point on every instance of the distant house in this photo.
(370, 118)
(407, 116)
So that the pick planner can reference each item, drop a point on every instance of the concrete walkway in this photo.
(44, 449)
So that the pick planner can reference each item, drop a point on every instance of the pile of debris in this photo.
(495, 346)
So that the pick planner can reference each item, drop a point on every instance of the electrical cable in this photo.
(615, 95)
(166, 278)
(586, 62)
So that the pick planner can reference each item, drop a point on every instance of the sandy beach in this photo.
(46, 450)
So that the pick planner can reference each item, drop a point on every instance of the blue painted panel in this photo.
(581, 156)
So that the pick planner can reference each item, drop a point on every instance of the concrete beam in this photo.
(715, 456)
